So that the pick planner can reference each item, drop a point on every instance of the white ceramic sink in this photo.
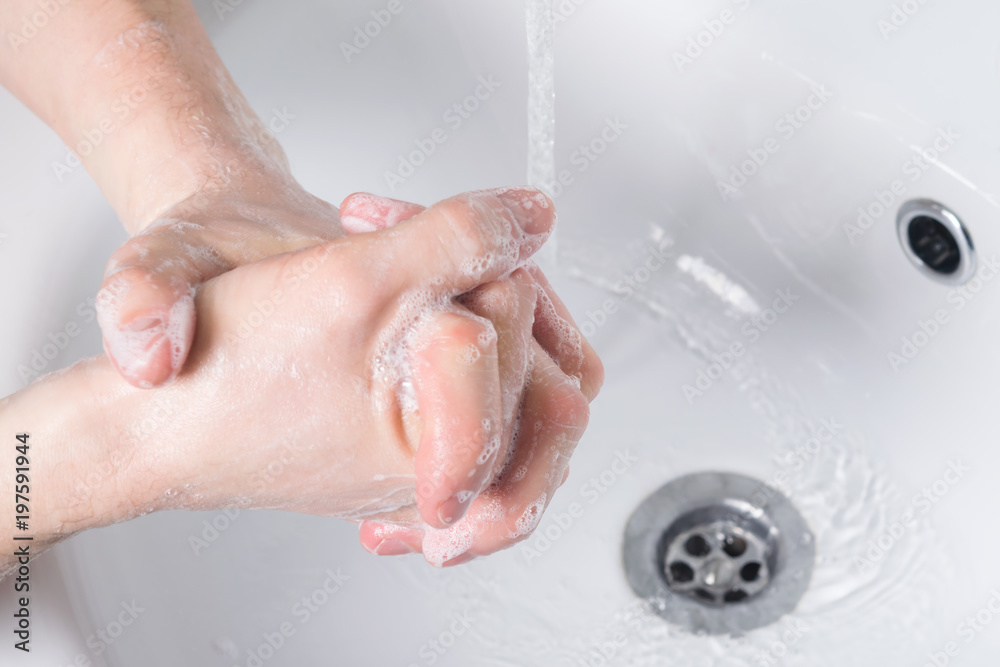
(644, 140)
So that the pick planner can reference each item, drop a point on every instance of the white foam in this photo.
(529, 519)
(469, 355)
(441, 546)
(491, 447)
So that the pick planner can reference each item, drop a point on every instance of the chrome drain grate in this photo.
(718, 553)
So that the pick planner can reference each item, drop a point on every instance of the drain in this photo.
(936, 242)
(718, 553)
(717, 562)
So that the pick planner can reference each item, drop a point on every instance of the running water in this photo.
(541, 104)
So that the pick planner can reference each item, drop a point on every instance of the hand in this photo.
(148, 316)
(549, 424)
(345, 330)
(319, 382)
(146, 305)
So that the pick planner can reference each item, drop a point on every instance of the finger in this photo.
(509, 306)
(552, 421)
(386, 539)
(457, 388)
(145, 305)
(468, 240)
(558, 335)
(363, 212)
(402, 533)
(458, 457)
(146, 313)
(555, 328)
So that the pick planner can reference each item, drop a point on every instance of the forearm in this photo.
(85, 429)
(136, 89)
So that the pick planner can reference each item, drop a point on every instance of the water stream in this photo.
(541, 104)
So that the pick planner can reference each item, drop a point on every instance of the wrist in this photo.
(178, 170)
(88, 466)
(156, 118)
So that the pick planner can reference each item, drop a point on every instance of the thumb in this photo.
(147, 318)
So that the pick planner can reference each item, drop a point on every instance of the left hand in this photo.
(146, 304)
(561, 364)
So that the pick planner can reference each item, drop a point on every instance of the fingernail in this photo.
(532, 209)
(149, 350)
(357, 225)
(452, 510)
(391, 547)
(366, 212)
(459, 560)
(143, 324)
(132, 348)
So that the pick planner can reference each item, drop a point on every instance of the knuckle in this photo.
(116, 287)
(495, 300)
(332, 272)
(568, 407)
(593, 375)
(469, 236)
(461, 329)
(127, 256)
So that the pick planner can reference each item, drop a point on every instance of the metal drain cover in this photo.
(719, 553)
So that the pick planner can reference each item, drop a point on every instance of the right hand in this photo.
(294, 375)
